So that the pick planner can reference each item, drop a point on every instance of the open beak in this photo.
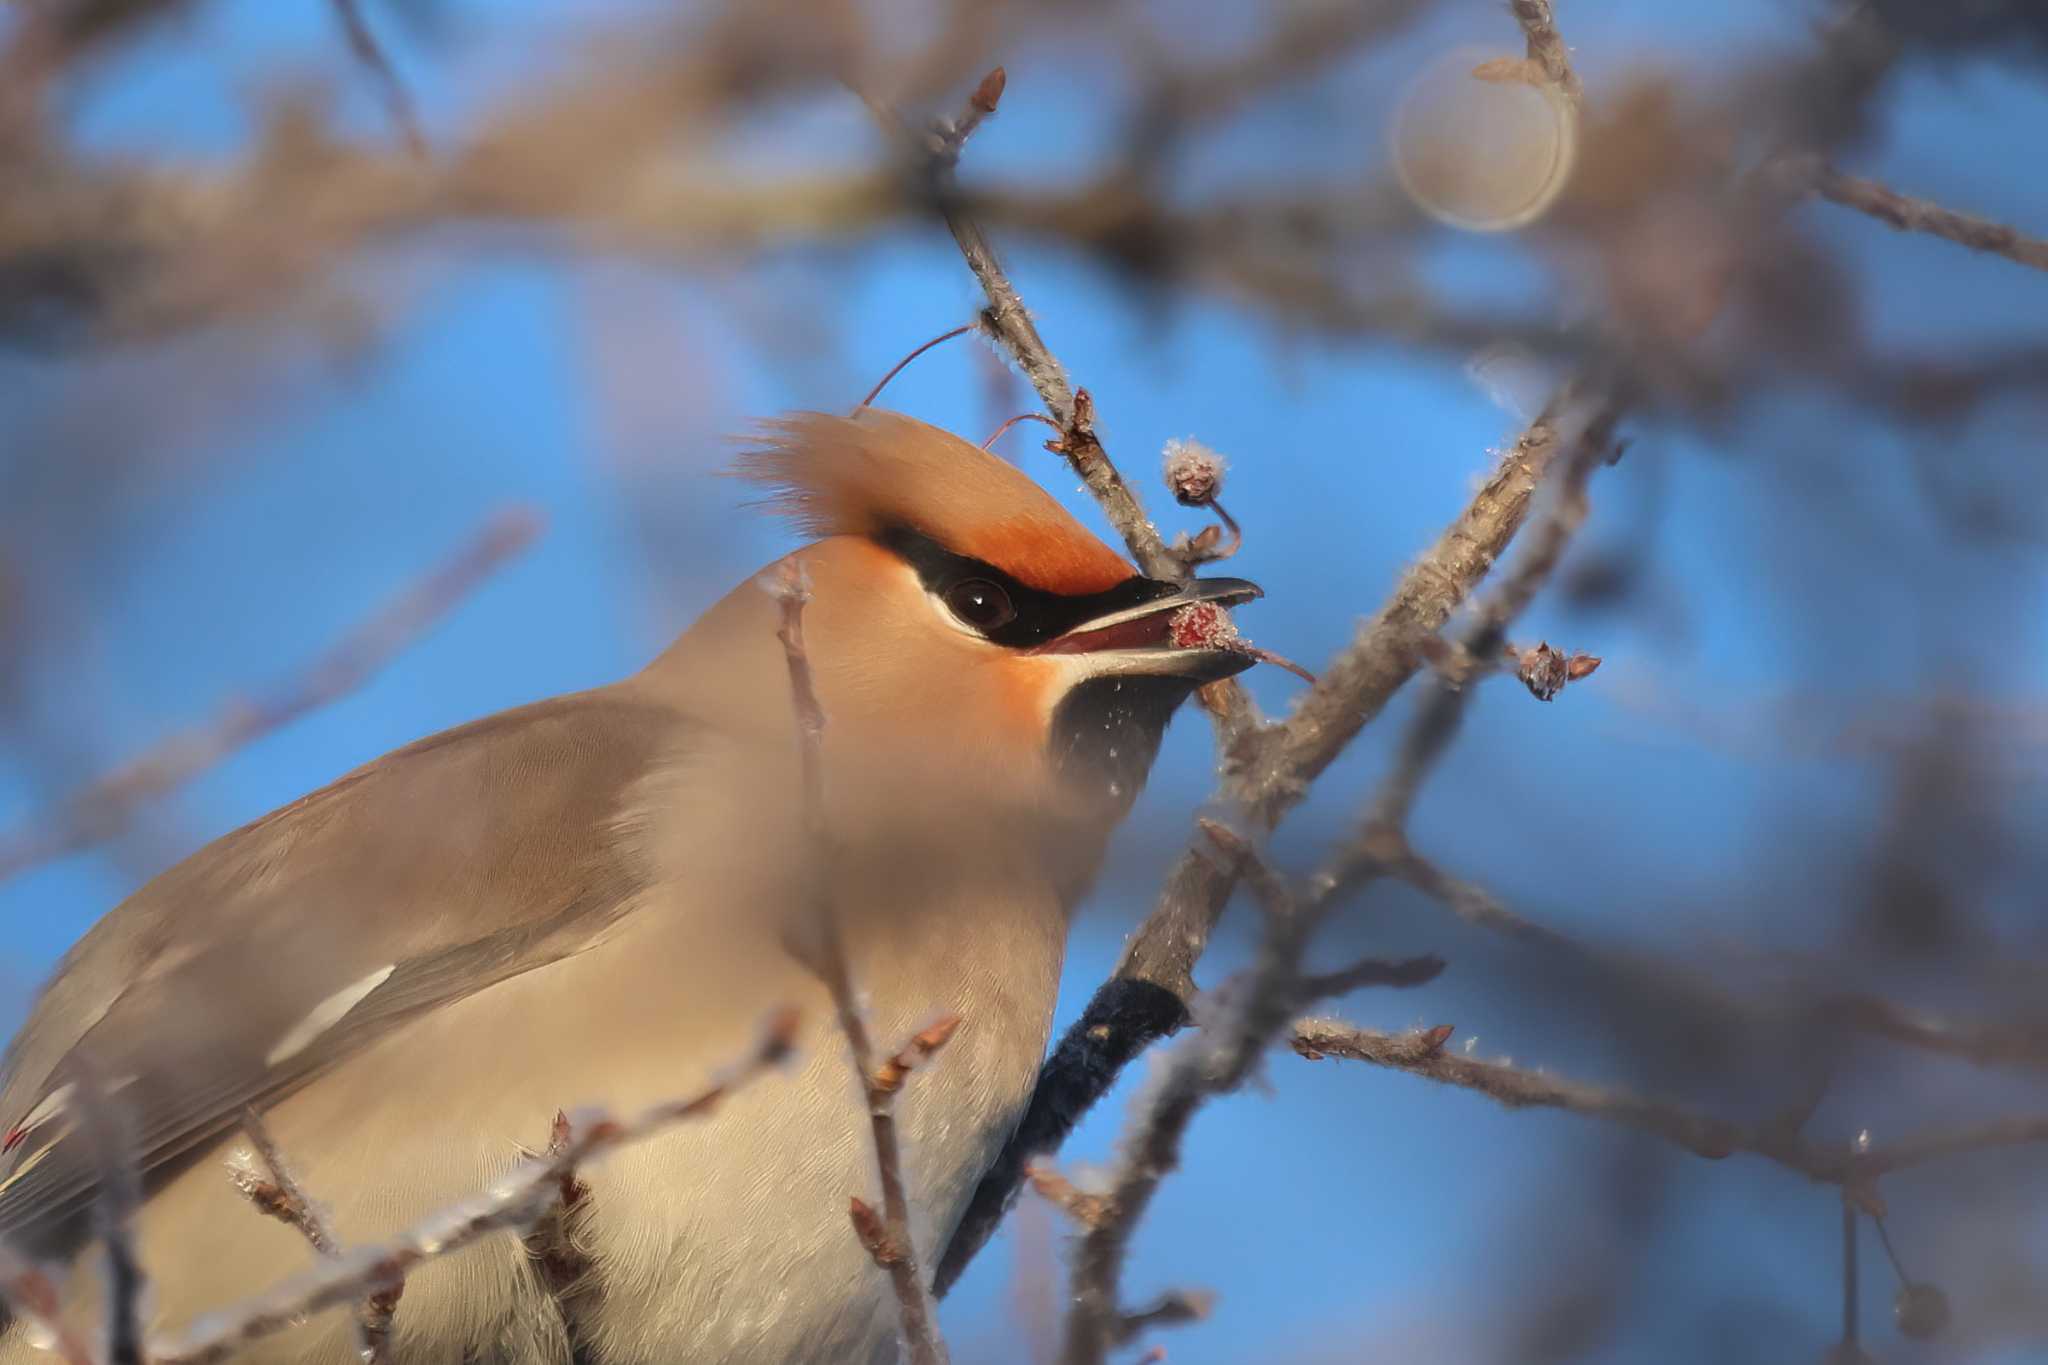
(1141, 639)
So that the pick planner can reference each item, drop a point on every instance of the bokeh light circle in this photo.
(1488, 155)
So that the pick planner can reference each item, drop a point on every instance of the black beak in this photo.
(1163, 637)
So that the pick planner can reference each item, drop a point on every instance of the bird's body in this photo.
(587, 901)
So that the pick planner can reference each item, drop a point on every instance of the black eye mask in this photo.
(973, 589)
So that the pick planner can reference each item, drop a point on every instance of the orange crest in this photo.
(880, 470)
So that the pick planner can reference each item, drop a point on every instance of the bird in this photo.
(589, 900)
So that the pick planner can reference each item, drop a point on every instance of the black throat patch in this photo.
(1107, 730)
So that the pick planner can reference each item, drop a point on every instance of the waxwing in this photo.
(587, 901)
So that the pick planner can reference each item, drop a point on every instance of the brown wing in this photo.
(230, 980)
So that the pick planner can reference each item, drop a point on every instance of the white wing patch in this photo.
(49, 1107)
(325, 1016)
(52, 1105)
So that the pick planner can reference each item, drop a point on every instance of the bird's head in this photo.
(962, 627)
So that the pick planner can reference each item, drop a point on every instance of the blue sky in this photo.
(1330, 1205)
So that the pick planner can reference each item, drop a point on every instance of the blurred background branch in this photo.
(1773, 864)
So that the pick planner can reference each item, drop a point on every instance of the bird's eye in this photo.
(980, 604)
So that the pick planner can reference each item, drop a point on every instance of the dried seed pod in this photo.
(1194, 473)
(1545, 669)
(1921, 1310)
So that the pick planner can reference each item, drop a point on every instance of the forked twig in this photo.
(277, 1193)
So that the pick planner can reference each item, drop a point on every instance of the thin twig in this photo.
(1251, 1012)
(1436, 723)
(1371, 971)
(189, 254)
(898, 367)
(1546, 49)
(1171, 1309)
(1359, 681)
(1300, 41)
(1222, 1055)
(36, 1301)
(561, 1263)
(1421, 1053)
(1910, 214)
(397, 103)
(375, 1319)
(2020, 1043)
(1392, 856)
(512, 1204)
(997, 434)
(948, 137)
(105, 1130)
(1202, 1066)
(1006, 319)
(279, 1194)
(104, 808)
(1891, 1253)
(1084, 1208)
(1147, 996)
(1850, 1278)
(887, 1237)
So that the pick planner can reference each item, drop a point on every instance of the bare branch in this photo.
(1086, 1209)
(1393, 857)
(1909, 214)
(1203, 1065)
(947, 139)
(2020, 1042)
(561, 1263)
(1301, 41)
(1436, 723)
(1851, 1314)
(1222, 1056)
(397, 103)
(36, 1300)
(1250, 1012)
(279, 1194)
(1421, 1053)
(1371, 971)
(886, 1237)
(374, 1323)
(513, 1204)
(1006, 319)
(1921, 1148)
(104, 808)
(1174, 1308)
(1547, 51)
(105, 1130)
(1146, 999)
